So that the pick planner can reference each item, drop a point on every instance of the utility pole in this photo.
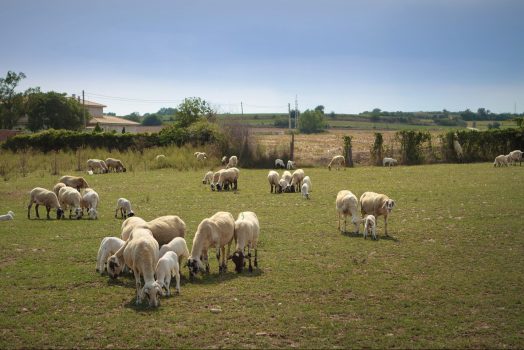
(296, 112)
(84, 109)
(289, 114)
(242, 108)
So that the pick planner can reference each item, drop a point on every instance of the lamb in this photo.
(347, 204)
(247, 231)
(296, 179)
(279, 163)
(286, 176)
(233, 162)
(501, 160)
(515, 156)
(39, 195)
(290, 165)
(97, 166)
(129, 225)
(389, 161)
(125, 208)
(370, 226)
(6, 217)
(167, 267)
(177, 245)
(228, 177)
(57, 188)
(377, 204)
(273, 179)
(337, 161)
(216, 231)
(224, 160)
(305, 190)
(165, 228)
(307, 180)
(90, 201)
(208, 177)
(69, 197)
(74, 181)
(108, 247)
(216, 176)
(115, 164)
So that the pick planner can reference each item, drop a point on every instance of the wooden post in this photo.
(348, 151)
(292, 147)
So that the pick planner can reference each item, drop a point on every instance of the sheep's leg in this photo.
(116, 213)
(36, 212)
(29, 210)
(339, 221)
(138, 287)
(256, 258)
(249, 257)
(167, 283)
(386, 225)
(177, 279)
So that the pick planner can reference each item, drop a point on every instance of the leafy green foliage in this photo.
(411, 143)
(152, 119)
(377, 149)
(193, 109)
(54, 110)
(312, 122)
(97, 128)
(12, 104)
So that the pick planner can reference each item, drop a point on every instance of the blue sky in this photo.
(349, 56)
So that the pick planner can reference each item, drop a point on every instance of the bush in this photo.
(411, 142)
(312, 122)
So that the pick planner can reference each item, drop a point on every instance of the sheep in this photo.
(6, 217)
(165, 228)
(228, 176)
(57, 187)
(273, 179)
(224, 160)
(90, 201)
(296, 179)
(115, 164)
(337, 161)
(74, 181)
(177, 245)
(216, 176)
(279, 163)
(389, 161)
(167, 267)
(458, 148)
(247, 231)
(370, 226)
(305, 190)
(129, 225)
(515, 156)
(286, 175)
(125, 208)
(377, 204)
(69, 197)
(307, 180)
(201, 156)
(290, 165)
(160, 158)
(501, 160)
(97, 166)
(108, 247)
(233, 162)
(283, 186)
(347, 204)
(208, 177)
(216, 231)
(140, 253)
(39, 195)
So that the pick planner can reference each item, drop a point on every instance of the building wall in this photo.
(95, 111)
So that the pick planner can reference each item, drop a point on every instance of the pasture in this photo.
(450, 276)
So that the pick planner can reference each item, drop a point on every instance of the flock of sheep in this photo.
(512, 158)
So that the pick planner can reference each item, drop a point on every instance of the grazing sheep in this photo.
(41, 196)
(216, 176)
(347, 204)
(108, 247)
(57, 188)
(337, 161)
(247, 231)
(377, 204)
(115, 164)
(201, 156)
(305, 190)
(97, 166)
(167, 227)
(283, 185)
(370, 226)
(296, 179)
(167, 267)
(458, 148)
(208, 177)
(177, 245)
(160, 158)
(90, 201)
(515, 156)
(125, 208)
(290, 165)
(501, 160)
(389, 161)
(273, 179)
(216, 231)
(6, 217)
(129, 225)
(224, 160)
(286, 175)
(228, 177)
(279, 163)
(70, 198)
(74, 181)
(233, 162)
(307, 180)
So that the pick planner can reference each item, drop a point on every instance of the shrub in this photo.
(411, 142)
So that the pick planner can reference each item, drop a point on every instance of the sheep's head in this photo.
(114, 267)
(212, 186)
(238, 259)
(92, 214)
(59, 213)
(130, 214)
(124, 170)
(194, 266)
(152, 292)
(219, 187)
(390, 203)
(79, 213)
(329, 167)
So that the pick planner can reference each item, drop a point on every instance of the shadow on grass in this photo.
(361, 235)
(213, 278)
(143, 307)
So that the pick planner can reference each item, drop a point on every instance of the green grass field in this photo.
(450, 276)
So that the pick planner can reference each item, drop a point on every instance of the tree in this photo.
(320, 108)
(97, 128)
(151, 120)
(12, 106)
(312, 121)
(135, 117)
(53, 110)
(193, 109)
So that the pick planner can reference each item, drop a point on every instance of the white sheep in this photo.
(305, 190)
(124, 205)
(201, 156)
(273, 179)
(166, 228)
(208, 177)
(74, 181)
(41, 196)
(214, 232)
(108, 247)
(167, 267)
(6, 217)
(515, 156)
(228, 177)
(247, 231)
(296, 179)
(337, 161)
(97, 166)
(290, 165)
(286, 176)
(90, 201)
(370, 226)
(115, 164)
(216, 176)
(129, 225)
(458, 148)
(377, 204)
(160, 158)
(279, 163)
(233, 162)
(307, 180)
(57, 187)
(347, 204)
(501, 160)
(177, 245)
(389, 161)
(224, 160)
(69, 197)
(282, 185)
